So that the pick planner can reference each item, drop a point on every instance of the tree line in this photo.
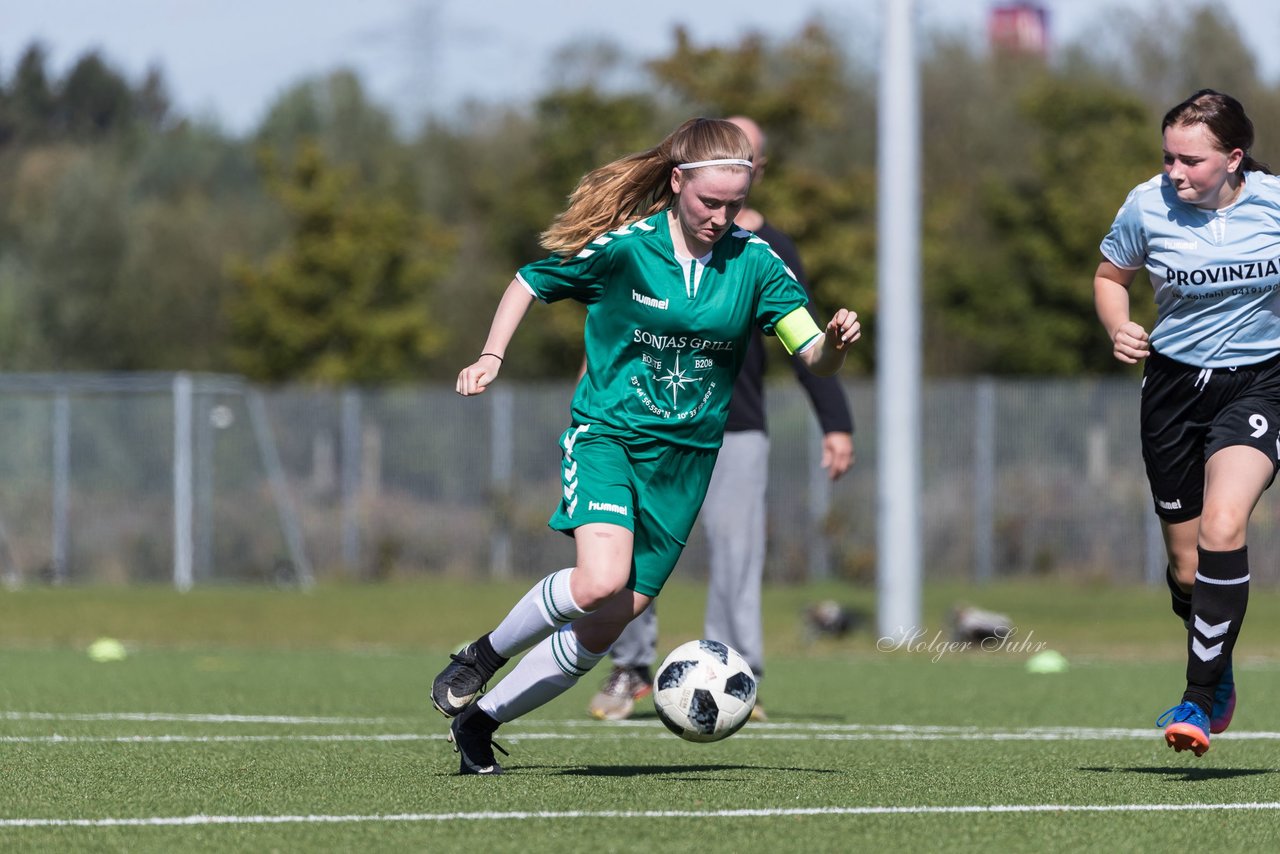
(328, 246)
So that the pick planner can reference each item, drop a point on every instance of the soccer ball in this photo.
(704, 691)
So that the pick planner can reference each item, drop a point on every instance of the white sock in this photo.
(545, 608)
(551, 668)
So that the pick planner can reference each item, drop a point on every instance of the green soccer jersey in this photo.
(665, 337)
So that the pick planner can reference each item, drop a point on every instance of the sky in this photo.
(228, 60)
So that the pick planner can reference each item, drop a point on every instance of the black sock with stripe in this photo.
(1218, 603)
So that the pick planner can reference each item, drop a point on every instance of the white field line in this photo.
(178, 718)
(598, 729)
(627, 729)
(201, 820)
(652, 731)
(215, 739)
(552, 730)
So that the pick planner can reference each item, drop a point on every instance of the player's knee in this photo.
(592, 586)
(1183, 570)
(1222, 530)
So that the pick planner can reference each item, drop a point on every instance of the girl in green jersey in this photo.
(673, 289)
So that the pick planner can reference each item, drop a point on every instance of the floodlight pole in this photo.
(898, 339)
(183, 491)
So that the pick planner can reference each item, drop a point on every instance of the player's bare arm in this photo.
(475, 378)
(1129, 341)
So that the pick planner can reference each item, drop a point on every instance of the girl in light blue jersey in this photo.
(1207, 232)
(674, 290)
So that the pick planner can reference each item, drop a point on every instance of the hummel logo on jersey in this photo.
(1175, 504)
(606, 507)
(1174, 243)
(659, 304)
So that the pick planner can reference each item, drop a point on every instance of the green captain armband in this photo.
(797, 330)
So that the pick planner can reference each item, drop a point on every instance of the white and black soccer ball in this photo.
(705, 691)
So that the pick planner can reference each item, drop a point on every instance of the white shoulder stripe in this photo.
(624, 231)
(769, 249)
(527, 287)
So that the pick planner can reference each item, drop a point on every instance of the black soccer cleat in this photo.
(462, 680)
(471, 735)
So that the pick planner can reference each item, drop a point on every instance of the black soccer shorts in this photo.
(1190, 413)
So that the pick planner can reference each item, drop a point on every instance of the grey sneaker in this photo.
(617, 697)
(461, 682)
(471, 735)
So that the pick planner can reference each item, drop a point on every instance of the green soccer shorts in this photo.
(653, 488)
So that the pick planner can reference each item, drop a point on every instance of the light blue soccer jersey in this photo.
(1216, 273)
(666, 337)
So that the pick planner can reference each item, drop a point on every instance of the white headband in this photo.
(728, 161)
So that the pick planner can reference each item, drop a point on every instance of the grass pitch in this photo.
(256, 720)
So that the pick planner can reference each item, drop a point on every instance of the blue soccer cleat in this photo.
(1224, 702)
(1186, 727)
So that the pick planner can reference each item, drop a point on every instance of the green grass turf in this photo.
(851, 727)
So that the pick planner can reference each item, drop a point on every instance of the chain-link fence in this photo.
(198, 479)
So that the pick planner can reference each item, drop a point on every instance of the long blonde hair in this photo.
(635, 186)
